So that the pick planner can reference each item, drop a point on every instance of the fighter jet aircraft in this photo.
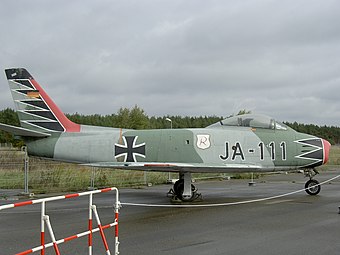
(244, 143)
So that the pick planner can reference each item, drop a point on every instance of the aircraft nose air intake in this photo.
(326, 148)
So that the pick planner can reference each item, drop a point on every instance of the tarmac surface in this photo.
(294, 224)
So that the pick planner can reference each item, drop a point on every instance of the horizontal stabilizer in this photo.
(22, 131)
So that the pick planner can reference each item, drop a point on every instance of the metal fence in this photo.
(17, 171)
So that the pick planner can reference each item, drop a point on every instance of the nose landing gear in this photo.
(312, 187)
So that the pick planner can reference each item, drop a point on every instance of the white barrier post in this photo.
(94, 208)
(45, 220)
(49, 227)
(117, 207)
(90, 223)
(42, 228)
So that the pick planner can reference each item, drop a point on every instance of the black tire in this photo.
(312, 187)
(179, 188)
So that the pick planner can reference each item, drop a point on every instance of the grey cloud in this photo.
(179, 57)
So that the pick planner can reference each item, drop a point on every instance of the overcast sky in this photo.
(179, 57)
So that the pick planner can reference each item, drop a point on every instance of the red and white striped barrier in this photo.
(45, 220)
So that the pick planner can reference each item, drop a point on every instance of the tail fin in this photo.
(36, 110)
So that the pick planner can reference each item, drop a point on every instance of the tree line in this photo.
(135, 118)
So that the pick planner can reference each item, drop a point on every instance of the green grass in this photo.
(50, 176)
(334, 156)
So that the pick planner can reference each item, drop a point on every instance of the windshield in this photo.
(253, 121)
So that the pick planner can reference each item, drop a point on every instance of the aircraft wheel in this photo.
(312, 187)
(179, 188)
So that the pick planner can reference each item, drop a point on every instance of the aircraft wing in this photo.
(177, 167)
(22, 131)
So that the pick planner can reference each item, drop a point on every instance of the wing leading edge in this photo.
(177, 167)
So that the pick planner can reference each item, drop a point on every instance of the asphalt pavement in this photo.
(294, 224)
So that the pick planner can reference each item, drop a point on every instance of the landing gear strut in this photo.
(183, 189)
(312, 186)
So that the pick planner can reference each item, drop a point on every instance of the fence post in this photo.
(26, 167)
(93, 178)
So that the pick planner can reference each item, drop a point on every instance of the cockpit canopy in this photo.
(251, 120)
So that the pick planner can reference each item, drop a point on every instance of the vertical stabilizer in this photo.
(35, 108)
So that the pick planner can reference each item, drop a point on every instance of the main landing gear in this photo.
(312, 186)
(183, 189)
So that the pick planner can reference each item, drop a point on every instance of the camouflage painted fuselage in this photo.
(214, 149)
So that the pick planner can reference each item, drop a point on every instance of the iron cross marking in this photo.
(129, 150)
